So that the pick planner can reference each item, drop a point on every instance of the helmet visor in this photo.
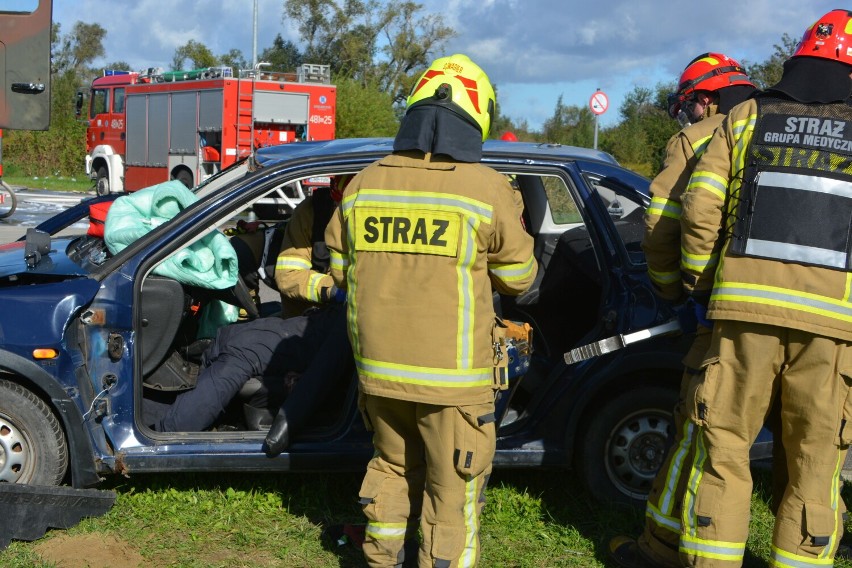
(674, 102)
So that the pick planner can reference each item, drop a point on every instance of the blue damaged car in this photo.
(86, 335)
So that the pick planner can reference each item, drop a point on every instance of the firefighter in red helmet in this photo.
(765, 237)
(509, 136)
(709, 86)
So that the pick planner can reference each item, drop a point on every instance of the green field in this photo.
(535, 519)
(57, 183)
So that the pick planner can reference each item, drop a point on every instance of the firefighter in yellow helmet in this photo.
(420, 241)
(709, 86)
(766, 245)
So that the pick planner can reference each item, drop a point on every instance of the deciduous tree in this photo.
(378, 43)
(363, 110)
(282, 55)
(198, 54)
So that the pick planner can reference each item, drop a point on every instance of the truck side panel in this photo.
(210, 111)
(158, 131)
(183, 137)
(136, 116)
(280, 107)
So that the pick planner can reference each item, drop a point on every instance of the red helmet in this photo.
(509, 137)
(829, 38)
(707, 72)
(711, 72)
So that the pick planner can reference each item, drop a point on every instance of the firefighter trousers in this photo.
(430, 468)
(661, 536)
(748, 366)
(659, 541)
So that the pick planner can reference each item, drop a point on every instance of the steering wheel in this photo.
(244, 299)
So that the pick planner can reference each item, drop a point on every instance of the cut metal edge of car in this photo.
(343, 146)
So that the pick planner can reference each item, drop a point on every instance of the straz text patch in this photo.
(419, 231)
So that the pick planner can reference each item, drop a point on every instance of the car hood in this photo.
(55, 263)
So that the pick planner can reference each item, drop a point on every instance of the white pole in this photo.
(254, 38)
(596, 131)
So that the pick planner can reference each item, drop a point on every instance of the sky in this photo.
(534, 51)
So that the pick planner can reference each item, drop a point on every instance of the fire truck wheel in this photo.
(102, 181)
(625, 443)
(32, 444)
(185, 178)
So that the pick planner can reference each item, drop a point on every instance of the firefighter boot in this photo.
(625, 552)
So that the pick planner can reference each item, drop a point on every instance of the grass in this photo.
(535, 519)
(15, 178)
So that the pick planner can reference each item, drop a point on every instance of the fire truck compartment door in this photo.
(286, 108)
(25, 64)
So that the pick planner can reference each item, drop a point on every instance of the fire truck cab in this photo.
(153, 126)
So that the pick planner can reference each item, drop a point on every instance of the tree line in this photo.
(376, 49)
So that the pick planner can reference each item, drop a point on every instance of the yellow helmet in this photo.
(459, 84)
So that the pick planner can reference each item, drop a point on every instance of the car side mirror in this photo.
(37, 245)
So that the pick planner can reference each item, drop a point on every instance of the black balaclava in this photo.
(437, 130)
(729, 97)
(814, 80)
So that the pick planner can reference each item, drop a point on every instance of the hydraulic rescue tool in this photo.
(619, 341)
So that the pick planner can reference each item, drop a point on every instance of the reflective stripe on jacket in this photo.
(419, 242)
(809, 298)
(300, 286)
(661, 241)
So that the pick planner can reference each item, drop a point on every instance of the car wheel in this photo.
(32, 444)
(625, 443)
(102, 182)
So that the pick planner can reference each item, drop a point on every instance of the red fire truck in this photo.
(146, 128)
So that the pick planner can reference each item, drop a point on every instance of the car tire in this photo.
(33, 449)
(625, 443)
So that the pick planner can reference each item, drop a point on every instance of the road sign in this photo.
(599, 102)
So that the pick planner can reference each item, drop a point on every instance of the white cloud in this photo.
(534, 50)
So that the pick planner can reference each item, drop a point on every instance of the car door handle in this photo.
(28, 88)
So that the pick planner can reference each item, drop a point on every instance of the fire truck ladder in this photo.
(245, 116)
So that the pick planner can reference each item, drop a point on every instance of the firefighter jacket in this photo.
(766, 217)
(300, 272)
(661, 242)
(419, 241)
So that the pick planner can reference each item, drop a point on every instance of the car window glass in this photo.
(563, 209)
(626, 213)
(99, 102)
(118, 103)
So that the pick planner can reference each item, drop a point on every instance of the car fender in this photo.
(612, 375)
(33, 377)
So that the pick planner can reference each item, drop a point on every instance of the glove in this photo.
(701, 315)
(334, 294)
(685, 312)
(278, 438)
